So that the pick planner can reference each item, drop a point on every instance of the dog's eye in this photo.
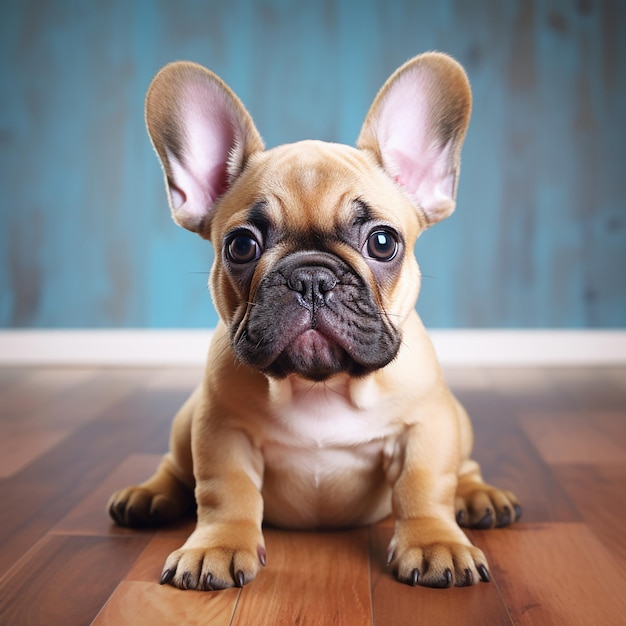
(243, 248)
(382, 245)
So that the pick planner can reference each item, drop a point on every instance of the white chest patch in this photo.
(324, 456)
(324, 415)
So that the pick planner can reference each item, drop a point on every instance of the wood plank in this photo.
(397, 603)
(38, 387)
(515, 382)
(51, 404)
(46, 490)
(562, 564)
(556, 573)
(149, 565)
(591, 388)
(11, 377)
(599, 493)
(568, 437)
(20, 444)
(149, 604)
(617, 376)
(311, 578)
(613, 423)
(510, 461)
(89, 516)
(599, 388)
(140, 600)
(185, 379)
(27, 429)
(66, 580)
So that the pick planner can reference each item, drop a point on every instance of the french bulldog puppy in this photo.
(323, 404)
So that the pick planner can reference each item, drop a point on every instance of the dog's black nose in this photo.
(312, 283)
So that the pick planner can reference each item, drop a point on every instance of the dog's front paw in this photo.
(425, 552)
(232, 562)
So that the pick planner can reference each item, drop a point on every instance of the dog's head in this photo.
(314, 269)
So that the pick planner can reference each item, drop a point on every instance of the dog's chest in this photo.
(321, 416)
(324, 458)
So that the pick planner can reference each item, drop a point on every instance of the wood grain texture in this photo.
(147, 604)
(140, 601)
(65, 580)
(540, 231)
(63, 562)
(556, 574)
(599, 493)
(313, 579)
(42, 492)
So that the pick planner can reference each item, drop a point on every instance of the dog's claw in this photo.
(518, 511)
(117, 513)
(240, 577)
(486, 521)
(262, 554)
(484, 573)
(167, 576)
(391, 553)
(415, 576)
(504, 519)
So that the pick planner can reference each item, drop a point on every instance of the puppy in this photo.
(322, 404)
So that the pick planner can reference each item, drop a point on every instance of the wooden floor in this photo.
(69, 437)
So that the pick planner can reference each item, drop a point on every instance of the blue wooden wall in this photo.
(539, 237)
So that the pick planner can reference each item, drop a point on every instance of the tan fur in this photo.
(342, 452)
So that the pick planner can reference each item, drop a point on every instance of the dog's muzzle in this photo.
(314, 316)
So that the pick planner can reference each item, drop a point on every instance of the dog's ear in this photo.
(415, 129)
(203, 136)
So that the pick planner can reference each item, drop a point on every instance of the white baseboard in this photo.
(188, 347)
(132, 347)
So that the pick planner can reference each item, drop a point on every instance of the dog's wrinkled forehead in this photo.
(311, 189)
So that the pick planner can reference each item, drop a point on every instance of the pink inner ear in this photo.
(410, 148)
(428, 181)
(404, 120)
(210, 127)
(211, 132)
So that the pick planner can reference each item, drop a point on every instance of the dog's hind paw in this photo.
(482, 506)
(138, 507)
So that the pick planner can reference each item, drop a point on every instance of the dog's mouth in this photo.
(314, 318)
(313, 355)
(307, 351)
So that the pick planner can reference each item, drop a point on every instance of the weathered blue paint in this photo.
(539, 237)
